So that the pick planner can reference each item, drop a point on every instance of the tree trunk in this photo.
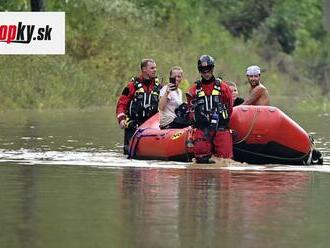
(37, 5)
(326, 11)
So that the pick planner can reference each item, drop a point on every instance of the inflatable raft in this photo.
(261, 135)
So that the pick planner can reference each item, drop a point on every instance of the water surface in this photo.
(65, 183)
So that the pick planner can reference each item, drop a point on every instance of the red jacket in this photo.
(226, 95)
(128, 94)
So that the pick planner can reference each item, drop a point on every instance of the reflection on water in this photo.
(61, 206)
(208, 207)
(65, 183)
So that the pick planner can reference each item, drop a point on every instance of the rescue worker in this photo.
(138, 101)
(258, 93)
(211, 101)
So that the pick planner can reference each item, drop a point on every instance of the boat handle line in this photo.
(270, 156)
(135, 139)
(250, 129)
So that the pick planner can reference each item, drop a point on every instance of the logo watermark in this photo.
(32, 33)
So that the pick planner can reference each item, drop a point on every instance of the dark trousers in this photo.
(128, 134)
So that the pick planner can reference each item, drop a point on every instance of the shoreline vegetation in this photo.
(106, 40)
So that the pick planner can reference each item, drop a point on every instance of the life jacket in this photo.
(210, 111)
(143, 105)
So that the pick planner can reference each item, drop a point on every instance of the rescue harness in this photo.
(143, 105)
(210, 111)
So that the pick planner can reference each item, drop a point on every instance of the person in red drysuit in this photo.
(211, 102)
(138, 101)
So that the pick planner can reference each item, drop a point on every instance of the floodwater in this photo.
(65, 183)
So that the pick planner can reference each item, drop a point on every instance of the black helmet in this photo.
(205, 63)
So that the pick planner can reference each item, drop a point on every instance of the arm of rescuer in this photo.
(190, 96)
(227, 98)
(254, 95)
(123, 104)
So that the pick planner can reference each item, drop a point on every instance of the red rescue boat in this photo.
(261, 135)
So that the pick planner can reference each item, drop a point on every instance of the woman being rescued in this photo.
(172, 110)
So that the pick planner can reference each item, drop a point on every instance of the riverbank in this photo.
(106, 41)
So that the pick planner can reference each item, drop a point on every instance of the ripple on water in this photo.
(110, 158)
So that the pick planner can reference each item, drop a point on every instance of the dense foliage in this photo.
(105, 41)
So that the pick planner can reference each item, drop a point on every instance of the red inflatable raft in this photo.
(261, 135)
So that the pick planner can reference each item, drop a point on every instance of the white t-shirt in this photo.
(174, 101)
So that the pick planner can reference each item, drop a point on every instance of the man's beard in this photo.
(254, 82)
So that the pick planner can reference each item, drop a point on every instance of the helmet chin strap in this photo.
(206, 81)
